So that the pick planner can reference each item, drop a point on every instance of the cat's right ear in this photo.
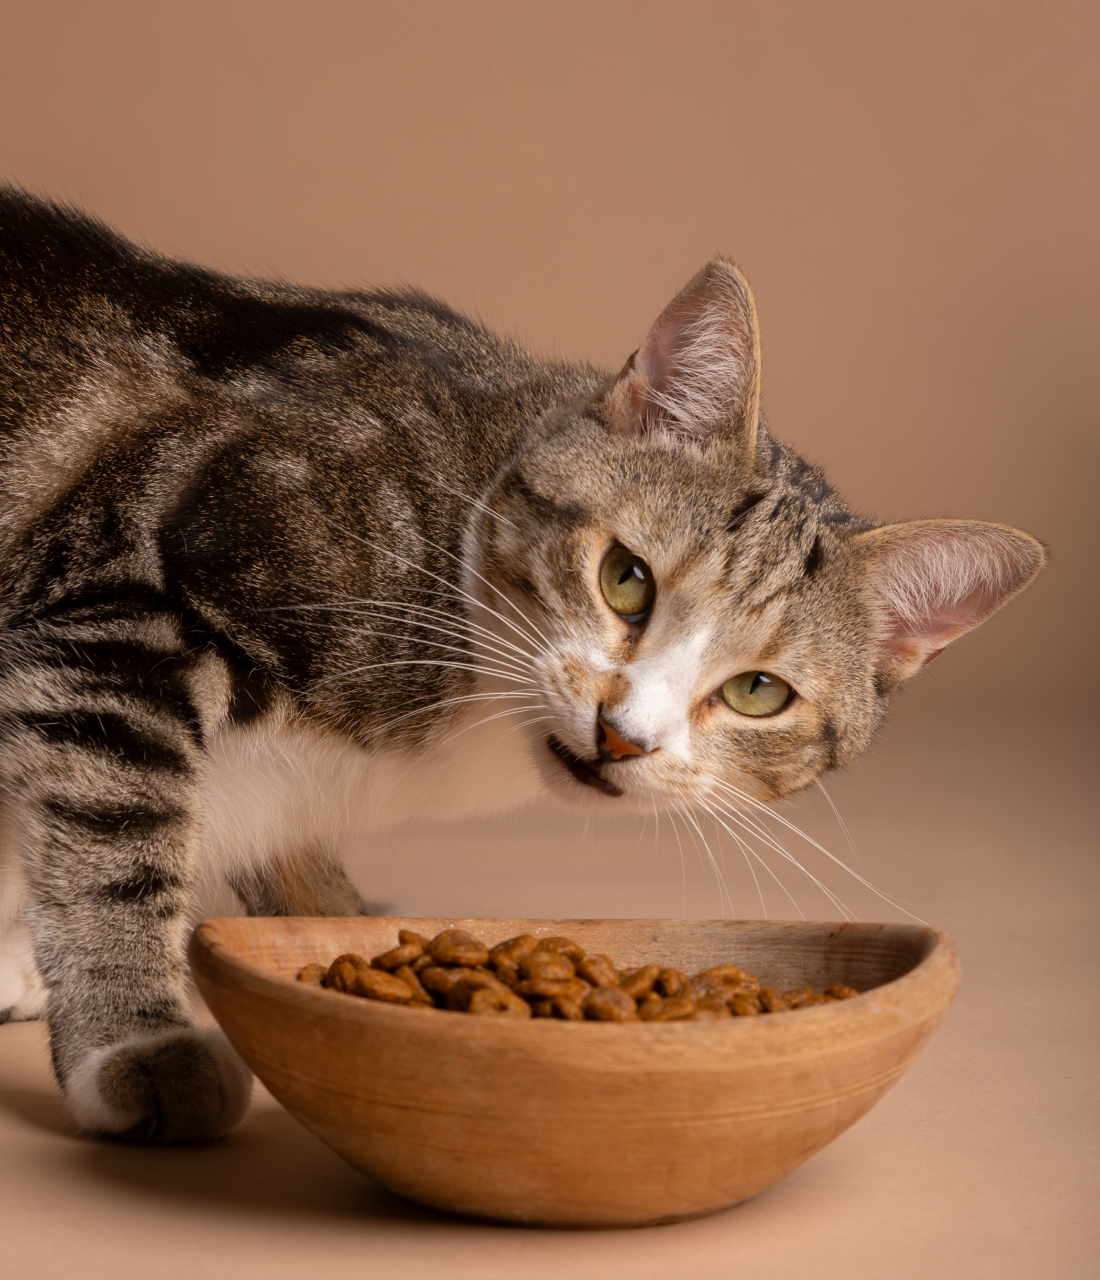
(697, 375)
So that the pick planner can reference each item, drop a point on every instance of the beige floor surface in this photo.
(980, 1164)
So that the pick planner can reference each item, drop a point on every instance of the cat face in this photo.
(690, 609)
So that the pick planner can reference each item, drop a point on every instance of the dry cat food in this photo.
(529, 977)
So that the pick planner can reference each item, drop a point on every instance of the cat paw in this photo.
(22, 991)
(178, 1086)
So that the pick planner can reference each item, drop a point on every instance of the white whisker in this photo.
(756, 804)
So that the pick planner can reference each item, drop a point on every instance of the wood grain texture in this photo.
(580, 1124)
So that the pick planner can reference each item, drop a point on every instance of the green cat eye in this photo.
(627, 584)
(756, 693)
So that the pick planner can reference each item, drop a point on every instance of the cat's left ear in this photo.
(933, 580)
(697, 375)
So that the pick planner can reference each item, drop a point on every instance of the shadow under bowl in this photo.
(580, 1124)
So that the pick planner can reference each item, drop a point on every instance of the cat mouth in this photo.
(584, 772)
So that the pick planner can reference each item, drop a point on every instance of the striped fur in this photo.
(278, 564)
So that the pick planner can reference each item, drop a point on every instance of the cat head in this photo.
(693, 608)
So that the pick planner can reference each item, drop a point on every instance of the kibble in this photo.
(527, 977)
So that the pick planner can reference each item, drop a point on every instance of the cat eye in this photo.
(756, 693)
(627, 584)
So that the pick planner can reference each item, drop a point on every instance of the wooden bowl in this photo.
(580, 1124)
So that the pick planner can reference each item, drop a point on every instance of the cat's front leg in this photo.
(309, 882)
(104, 763)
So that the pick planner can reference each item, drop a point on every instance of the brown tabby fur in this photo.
(269, 558)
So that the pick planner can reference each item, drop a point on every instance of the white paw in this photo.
(177, 1086)
(22, 991)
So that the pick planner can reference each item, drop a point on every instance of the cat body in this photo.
(280, 564)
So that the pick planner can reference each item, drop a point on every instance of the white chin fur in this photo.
(92, 1112)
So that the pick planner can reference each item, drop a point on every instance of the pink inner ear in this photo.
(937, 579)
(696, 373)
(915, 642)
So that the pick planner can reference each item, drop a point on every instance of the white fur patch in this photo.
(22, 991)
(271, 791)
(662, 686)
(93, 1112)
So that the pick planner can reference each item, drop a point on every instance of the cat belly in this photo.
(273, 791)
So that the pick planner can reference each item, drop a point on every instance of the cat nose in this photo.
(613, 745)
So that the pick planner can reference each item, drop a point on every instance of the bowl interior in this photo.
(781, 954)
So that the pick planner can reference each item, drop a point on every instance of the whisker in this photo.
(449, 702)
(457, 591)
(491, 587)
(683, 867)
(748, 853)
(756, 804)
(464, 496)
(453, 631)
(416, 662)
(719, 881)
(843, 825)
(511, 711)
(415, 640)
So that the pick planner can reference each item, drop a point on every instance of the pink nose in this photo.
(613, 744)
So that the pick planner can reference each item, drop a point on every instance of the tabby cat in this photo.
(277, 564)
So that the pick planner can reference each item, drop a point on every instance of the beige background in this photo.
(912, 191)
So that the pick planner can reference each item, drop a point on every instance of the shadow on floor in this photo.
(270, 1164)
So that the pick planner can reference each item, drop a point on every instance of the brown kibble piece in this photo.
(743, 1004)
(418, 966)
(490, 1003)
(313, 975)
(773, 1001)
(551, 988)
(717, 1014)
(376, 984)
(341, 973)
(798, 994)
(457, 947)
(513, 950)
(439, 980)
(546, 964)
(461, 993)
(405, 936)
(667, 1009)
(638, 981)
(563, 946)
(728, 973)
(412, 980)
(405, 954)
(609, 1004)
(812, 998)
(599, 970)
(841, 993)
(566, 1008)
(704, 989)
(669, 981)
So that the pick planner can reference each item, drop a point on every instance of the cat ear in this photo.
(934, 579)
(697, 375)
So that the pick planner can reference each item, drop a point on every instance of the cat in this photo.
(278, 563)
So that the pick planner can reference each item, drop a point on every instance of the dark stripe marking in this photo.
(105, 732)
